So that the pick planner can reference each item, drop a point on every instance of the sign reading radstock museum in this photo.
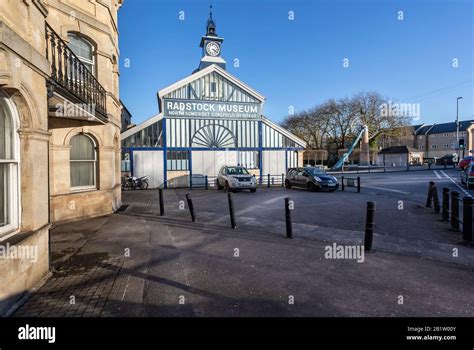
(211, 109)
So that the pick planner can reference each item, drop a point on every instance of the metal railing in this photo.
(71, 76)
(350, 182)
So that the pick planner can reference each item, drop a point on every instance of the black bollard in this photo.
(282, 180)
(205, 185)
(162, 204)
(342, 183)
(268, 180)
(191, 207)
(289, 226)
(455, 211)
(358, 184)
(435, 199)
(445, 213)
(428, 198)
(369, 226)
(467, 220)
(231, 211)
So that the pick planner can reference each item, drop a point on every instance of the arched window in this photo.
(83, 162)
(9, 150)
(83, 49)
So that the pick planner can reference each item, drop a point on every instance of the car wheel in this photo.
(253, 190)
(311, 187)
(218, 185)
(288, 184)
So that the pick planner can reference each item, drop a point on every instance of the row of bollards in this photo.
(450, 210)
(433, 197)
(369, 223)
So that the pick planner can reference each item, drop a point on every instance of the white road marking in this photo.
(386, 189)
(437, 175)
(454, 182)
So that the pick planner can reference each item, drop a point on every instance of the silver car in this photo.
(235, 178)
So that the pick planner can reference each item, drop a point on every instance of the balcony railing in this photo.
(72, 77)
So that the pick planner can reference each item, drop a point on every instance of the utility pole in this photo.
(457, 126)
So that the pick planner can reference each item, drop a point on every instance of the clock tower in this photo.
(211, 45)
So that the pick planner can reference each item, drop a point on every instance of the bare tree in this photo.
(334, 124)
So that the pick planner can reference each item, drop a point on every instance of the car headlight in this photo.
(317, 179)
(233, 179)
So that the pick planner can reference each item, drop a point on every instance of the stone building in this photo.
(436, 140)
(60, 120)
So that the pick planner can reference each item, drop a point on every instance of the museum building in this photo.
(207, 120)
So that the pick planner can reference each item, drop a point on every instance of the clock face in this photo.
(213, 48)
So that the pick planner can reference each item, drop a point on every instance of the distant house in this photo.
(399, 156)
(126, 117)
(436, 140)
(439, 140)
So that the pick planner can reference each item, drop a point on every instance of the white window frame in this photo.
(93, 187)
(85, 60)
(13, 196)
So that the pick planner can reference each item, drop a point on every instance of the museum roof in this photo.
(398, 150)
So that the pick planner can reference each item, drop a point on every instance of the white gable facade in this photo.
(207, 120)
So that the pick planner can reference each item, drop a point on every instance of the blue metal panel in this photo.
(260, 150)
(165, 160)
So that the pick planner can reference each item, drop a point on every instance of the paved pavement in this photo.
(136, 263)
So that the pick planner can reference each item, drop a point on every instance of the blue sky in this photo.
(300, 62)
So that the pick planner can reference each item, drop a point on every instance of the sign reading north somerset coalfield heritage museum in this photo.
(211, 109)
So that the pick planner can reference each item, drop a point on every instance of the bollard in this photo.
(358, 184)
(191, 207)
(369, 226)
(282, 180)
(445, 213)
(467, 219)
(205, 185)
(289, 226)
(342, 183)
(231, 211)
(162, 204)
(455, 211)
(268, 180)
(435, 199)
(428, 198)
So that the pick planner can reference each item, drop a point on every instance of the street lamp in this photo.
(457, 124)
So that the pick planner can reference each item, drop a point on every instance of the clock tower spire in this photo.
(211, 45)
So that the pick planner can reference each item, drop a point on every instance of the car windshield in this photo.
(315, 171)
(237, 171)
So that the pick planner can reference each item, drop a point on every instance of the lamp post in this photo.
(457, 125)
